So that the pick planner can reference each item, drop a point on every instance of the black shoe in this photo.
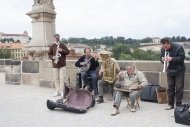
(100, 100)
(178, 104)
(93, 102)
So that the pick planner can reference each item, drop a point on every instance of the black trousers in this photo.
(175, 88)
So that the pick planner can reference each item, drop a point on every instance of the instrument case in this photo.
(77, 100)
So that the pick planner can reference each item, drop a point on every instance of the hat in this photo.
(105, 53)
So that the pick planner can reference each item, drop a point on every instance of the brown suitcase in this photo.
(162, 96)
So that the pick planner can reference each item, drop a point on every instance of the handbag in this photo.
(182, 114)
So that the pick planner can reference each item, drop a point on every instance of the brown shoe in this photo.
(169, 107)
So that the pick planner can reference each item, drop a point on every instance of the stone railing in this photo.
(41, 73)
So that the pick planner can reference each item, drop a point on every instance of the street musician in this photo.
(133, 78)
(175, 69)
(57, 53)
(88, 64)
(108, 71)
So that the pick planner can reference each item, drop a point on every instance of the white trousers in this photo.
(59, 78)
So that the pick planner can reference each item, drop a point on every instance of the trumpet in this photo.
(166, 63)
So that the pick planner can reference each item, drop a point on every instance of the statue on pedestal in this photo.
(43, 2)
(43, 28)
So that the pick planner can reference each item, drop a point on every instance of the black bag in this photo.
(182, 114)
(148, 93)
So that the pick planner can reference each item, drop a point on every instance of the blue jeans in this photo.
(92, 74)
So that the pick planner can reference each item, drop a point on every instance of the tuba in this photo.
(109, 74)
(109, 65)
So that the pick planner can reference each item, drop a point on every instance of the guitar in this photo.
(85, 65)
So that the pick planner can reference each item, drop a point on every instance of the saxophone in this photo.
(57, 55)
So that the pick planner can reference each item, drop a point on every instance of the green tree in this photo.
(140, 54)
(173, 39)
(146, 40)
(125, 56)
(177, 39)
(183, 39)
(119, 49)
(63, 40)
(5, 54)
(17, 41)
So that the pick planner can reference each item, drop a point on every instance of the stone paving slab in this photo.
(25, 106)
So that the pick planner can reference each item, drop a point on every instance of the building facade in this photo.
(16, 49)
(23, 38)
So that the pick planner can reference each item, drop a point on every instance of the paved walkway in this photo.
(25, 106)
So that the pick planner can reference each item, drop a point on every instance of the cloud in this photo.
(98, 18)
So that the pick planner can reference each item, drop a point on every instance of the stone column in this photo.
(43, 28)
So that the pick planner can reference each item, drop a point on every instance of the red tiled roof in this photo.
(12, 45)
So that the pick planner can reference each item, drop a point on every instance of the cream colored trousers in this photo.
(59, 77)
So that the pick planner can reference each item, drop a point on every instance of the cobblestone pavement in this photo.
(25, 106)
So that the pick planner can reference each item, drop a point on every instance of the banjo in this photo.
(85, 65)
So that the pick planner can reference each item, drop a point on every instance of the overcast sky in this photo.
(99, 18)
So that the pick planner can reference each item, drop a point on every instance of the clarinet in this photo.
(57, 55)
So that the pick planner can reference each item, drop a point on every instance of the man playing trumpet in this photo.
(175, 71)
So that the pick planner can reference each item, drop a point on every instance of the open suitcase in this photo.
(77, 100)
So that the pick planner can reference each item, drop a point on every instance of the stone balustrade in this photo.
(41, 73)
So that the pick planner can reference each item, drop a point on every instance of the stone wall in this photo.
(30, 72)
(41, 73)
(12, 70)
(151, 69)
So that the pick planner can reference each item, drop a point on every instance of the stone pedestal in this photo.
(13, 72)
(43, 28)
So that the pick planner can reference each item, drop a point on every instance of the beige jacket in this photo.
(137, 78)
